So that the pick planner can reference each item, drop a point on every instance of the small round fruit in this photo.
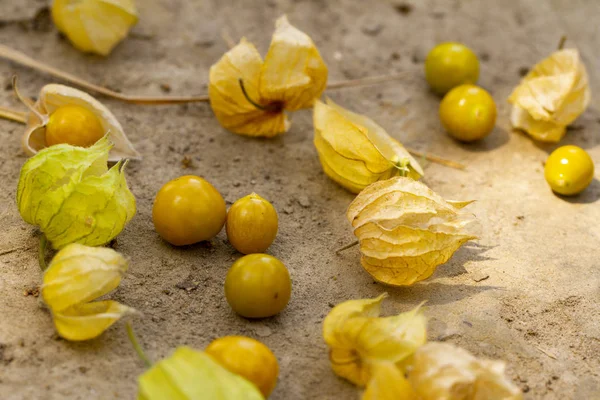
(569, 170)
(468, 113)
(248, 358)
(258, 286)
(188, 210)
(449, 65)
(251, 224)
(74, 125)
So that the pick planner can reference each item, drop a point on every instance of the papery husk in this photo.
(551, 96)
(359, 340)
(406, 230)
(355, 152)
(292, 76)
(53, 96)
(191, 374)
(444, 371)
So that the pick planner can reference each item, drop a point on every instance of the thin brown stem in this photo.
(437, 160)
(561, 43)
(13, 115)
(338, 251)
(370, 80)
(27, 101)
(24, 60)
(255, 104)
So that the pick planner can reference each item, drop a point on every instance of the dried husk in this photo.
(291, 77)
(54, 96)
(444, 371)
(355, 152)
(406, 230)
(551, 96)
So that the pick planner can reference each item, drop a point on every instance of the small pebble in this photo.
(304, 201)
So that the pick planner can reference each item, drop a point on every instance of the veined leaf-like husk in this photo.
(359, 340)
(406, 230)
(76, 276)
(54, 96)
(191, 374)
(444, 371)
(71, 195)
(354, 151)
(95, 26)
(551, 96)
(292, 76)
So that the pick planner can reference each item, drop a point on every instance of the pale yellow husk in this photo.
(354, 151)
(406, 230)
(54, 96)
(76, 277)
(551, 96)
(291, 77)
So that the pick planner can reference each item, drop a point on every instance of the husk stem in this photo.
(436, 159)
(42, 252)
(136, 345)
(348, 246)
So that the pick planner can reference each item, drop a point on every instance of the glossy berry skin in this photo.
(468, 113)
(188, 210)
(251, 224)
(74, 125)
(248, 358)
(449, 65)
(258, 286)
(569, 170)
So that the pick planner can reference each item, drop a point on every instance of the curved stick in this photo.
(22, 59)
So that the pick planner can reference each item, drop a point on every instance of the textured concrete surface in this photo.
(537, 307)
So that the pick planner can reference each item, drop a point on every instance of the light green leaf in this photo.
(189, 375)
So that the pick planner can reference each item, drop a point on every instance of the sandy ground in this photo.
(526, 292)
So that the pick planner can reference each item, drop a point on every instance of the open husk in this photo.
(52, 97)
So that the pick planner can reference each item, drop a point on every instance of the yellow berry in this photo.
(74, 125)
(251, 224)
(449, 65)
(569, 170)
(248, 358)
(258, 286)
(468, 113)
(188, 210)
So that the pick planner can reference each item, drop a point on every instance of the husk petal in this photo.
(354, 151)
(293, 72)
(88, 320)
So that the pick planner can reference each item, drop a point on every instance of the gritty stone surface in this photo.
(538, 309)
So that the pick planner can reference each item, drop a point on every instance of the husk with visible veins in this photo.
(406, 230)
